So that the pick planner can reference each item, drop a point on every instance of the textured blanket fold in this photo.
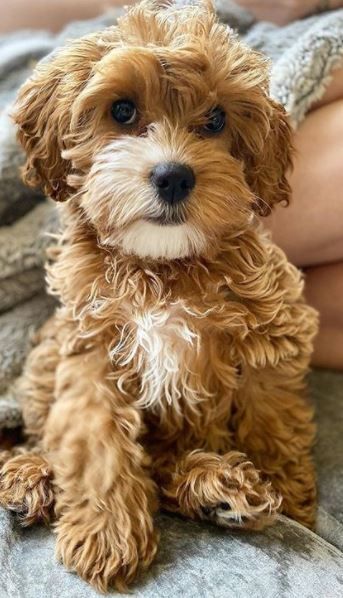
(303, 56)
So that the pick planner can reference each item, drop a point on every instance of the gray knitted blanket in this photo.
(303, 56)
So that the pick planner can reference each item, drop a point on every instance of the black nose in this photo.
(173, 181)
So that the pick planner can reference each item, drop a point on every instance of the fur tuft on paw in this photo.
(227, 490)
(26, 489)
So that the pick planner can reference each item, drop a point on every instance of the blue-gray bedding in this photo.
(194, 560)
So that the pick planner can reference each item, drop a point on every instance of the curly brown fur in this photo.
(174, 369)
(25, 486)
(226, 489)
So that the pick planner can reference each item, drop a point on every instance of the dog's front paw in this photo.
(105, 549)
(242, 498)
(26, 488)
(226, 490)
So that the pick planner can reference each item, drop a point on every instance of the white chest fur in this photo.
(162, 345)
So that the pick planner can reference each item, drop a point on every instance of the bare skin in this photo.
(310, 230)
(34, 14)
(324, 290)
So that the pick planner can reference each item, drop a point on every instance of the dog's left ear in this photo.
(267, 168)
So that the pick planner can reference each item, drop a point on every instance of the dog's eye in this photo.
(215, 121)
(124, 112)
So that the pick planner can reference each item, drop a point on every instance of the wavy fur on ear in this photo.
(268, 169)
(42, 113)
(263, 135)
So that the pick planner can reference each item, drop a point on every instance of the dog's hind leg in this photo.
(274, 425)
(36, 387)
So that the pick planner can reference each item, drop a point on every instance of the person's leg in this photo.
(324, 290)
(52, 15)
(311, 229)
(334, 90)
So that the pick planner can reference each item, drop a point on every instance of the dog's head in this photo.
(160, 130)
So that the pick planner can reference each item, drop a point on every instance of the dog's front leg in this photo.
(104, 496)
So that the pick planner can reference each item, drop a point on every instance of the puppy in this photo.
(173, 371)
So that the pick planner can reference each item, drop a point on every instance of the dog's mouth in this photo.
(165, 221)
(172, 216)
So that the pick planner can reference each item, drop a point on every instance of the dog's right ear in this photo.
(42, 113)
